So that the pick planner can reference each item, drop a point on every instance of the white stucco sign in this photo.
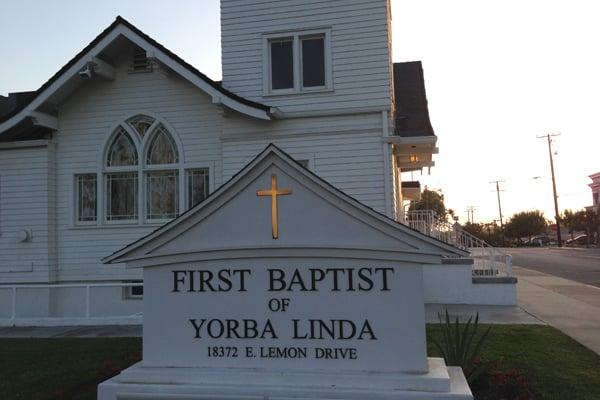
(298, 315)
(279, 283)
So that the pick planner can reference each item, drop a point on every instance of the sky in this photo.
(497, 74)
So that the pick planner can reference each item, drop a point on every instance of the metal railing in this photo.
(82, 316)
(489, 261)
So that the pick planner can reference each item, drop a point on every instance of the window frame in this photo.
(297, 37)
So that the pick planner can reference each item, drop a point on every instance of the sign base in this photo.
(145, 383)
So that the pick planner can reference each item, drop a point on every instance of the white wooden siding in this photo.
(24, 205)
(361, 58)
(346, 151)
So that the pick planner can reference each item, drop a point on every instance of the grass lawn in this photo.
(557, 366)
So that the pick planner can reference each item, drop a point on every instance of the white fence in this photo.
(70, 304)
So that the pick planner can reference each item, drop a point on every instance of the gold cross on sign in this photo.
(274, 192)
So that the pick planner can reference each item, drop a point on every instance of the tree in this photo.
(582, 220)
(473, 228)
(488, 232)
(574, 221)
(430, 200)
(591, 222)
(526, 223)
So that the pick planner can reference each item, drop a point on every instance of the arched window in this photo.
(141, 124)
(162, 176)
(162, 149)
(121, 178)
(122, 150)
(141, 177)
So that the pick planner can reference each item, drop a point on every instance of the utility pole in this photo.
(497, 182)
(499, 204)
(556, 213)
(471, 213)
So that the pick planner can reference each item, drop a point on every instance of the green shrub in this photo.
(461, 346)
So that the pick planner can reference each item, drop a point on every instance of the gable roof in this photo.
(412, 113)
(272, 155)
(121, 27)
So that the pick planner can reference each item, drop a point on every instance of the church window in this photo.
(122, 151)
(197, 186)
(141, 178)
(162, 186)
(162, 149)
(121, 196)
(297, 62)
(141, 124)
(86, 198)
(122, 178)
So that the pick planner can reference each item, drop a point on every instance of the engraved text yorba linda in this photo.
(280, 281)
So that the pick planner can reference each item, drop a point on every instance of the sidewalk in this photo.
(487, 314)
(571, 307)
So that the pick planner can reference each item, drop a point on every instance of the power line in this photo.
(556, 213)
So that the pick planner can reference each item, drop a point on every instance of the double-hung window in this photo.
(297, 62)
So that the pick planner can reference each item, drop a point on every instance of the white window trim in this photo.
(297, 55)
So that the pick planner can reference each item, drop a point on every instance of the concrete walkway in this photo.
(571, 307)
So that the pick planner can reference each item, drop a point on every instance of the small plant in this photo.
(460, 346)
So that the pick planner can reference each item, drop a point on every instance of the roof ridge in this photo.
(119, 20)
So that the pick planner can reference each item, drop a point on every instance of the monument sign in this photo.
(280, 286)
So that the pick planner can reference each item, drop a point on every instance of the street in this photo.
(577, 264)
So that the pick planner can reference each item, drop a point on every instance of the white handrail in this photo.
(488, 260)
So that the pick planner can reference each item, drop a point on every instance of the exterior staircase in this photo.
(489, 261)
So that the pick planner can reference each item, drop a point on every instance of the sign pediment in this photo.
(276, 208)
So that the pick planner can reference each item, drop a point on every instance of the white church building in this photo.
(127, 136)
